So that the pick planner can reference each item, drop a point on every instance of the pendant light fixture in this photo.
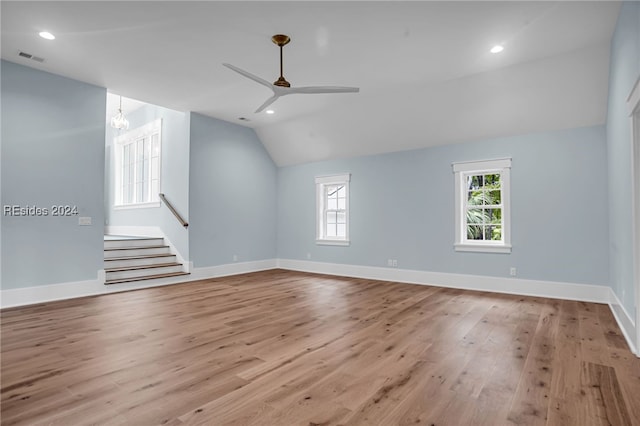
(119, 121)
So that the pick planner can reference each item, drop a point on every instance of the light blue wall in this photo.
(402, 208)
(623, 73)
(239, 203)
(52, 153)
(232, 194)
(174, 178)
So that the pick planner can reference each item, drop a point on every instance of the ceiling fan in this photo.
(282, 87)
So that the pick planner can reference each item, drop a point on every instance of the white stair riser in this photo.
(139, 262)
(133, 242)
(136, 252)
(135, 273)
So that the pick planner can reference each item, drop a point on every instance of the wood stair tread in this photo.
(147, 277)
(135, 268)
(135, 248)
(142, 256)
(133, 238)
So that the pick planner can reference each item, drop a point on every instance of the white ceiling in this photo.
(424, 68)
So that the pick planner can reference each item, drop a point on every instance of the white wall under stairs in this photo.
(128, 258)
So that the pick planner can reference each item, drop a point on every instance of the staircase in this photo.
(128, 259)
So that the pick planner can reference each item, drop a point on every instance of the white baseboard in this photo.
(48, 293)
(63, 291)
(625, 321)
(233, 269)
(517, 286)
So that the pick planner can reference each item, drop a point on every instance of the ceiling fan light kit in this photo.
(281, 87)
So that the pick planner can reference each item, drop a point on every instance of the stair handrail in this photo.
(173, 210)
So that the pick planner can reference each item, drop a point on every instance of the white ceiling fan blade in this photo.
(323, 89)
(249, 75)
(267, 103)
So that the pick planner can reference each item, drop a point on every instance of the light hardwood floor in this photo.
(287, 348)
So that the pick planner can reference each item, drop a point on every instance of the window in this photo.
(137, 166)
(482, 215)
(332, 195)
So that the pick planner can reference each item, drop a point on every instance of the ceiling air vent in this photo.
(30, 56)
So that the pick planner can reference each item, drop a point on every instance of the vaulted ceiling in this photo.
(424, 69)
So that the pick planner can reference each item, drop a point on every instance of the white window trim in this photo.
(461, 170)
(633, 108)
(148, 129)
(321, 182)
(148, 205)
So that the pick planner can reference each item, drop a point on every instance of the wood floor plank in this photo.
(595, 347)
(605, 402)
(288, 348)
(567, 394)
(531, 400)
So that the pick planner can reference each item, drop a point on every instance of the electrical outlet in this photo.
(389, 262)
(394, 263)
(512, 271)
(235, 257)
(308, 255)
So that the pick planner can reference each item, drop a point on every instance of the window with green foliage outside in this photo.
(484, 207)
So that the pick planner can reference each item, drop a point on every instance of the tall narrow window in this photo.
(332, 195)
(482, 206)
(137, 166)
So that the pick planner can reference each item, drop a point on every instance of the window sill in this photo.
(483, 248)
(152, 204)
(333, 242)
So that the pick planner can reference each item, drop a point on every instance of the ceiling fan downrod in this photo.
(281, 40)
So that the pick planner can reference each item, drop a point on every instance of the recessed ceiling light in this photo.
(270, 111)
(497, 49)
(47, 35)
